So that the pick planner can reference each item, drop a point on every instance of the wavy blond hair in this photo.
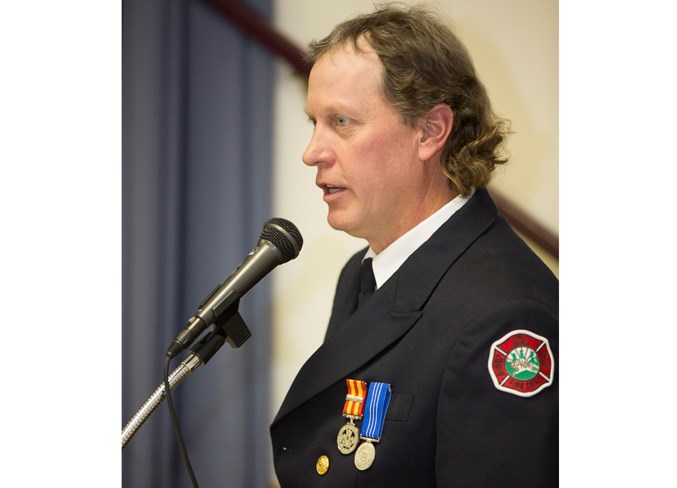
(426, 64)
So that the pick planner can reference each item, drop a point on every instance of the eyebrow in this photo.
(338, 108)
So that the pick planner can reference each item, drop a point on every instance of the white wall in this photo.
(515, 48)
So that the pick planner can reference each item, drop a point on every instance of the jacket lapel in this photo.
(393, 309)
(366, 332)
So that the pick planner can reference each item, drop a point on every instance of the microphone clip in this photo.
(232, 323)
(227, 318)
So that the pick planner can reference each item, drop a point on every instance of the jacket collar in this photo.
(394, 308)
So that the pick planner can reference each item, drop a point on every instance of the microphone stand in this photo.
(230, 327)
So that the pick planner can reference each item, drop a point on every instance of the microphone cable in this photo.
(279, 242)
(175, 424)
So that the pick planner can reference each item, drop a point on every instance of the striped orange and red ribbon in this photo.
(357, 392)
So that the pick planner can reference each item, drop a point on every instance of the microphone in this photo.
(279, 242)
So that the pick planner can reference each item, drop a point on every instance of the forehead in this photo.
(350, 52)
(345, 75)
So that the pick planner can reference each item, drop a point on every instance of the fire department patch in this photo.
(521, 363)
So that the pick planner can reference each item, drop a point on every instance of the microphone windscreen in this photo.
(284, 235)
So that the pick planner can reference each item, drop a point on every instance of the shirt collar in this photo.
(391, 258)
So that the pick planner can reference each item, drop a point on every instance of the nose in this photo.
(318, 150)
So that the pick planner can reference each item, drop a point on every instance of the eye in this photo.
(340, 121)
(313, 121)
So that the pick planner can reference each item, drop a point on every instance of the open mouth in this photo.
(331, 189)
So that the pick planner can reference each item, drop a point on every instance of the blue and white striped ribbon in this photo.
(378, 399)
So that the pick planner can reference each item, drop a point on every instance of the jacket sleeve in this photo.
(505, 437)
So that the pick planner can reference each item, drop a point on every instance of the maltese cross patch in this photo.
(521, 363)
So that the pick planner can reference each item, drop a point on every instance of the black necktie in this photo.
(367, 282)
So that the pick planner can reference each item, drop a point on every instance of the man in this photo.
(445, 374)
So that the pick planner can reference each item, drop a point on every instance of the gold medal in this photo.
(364, 457)
(347, 439)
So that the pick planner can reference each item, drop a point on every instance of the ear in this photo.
(435, 129)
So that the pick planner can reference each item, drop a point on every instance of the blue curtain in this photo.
(197, 104)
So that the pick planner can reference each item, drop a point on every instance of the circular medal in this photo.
(364, 457)
(347, 438)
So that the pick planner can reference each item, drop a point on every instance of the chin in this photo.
(335, 223)
(340, 221)
(345, 225)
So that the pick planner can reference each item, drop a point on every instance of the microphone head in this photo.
(284, 236)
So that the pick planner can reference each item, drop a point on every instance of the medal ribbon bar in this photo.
(354, 406)
(375, 410)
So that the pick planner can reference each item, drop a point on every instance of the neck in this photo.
(435, 199)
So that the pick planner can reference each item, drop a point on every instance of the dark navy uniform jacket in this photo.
(430, 332)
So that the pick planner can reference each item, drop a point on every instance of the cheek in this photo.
(363, 162)
(379, 162)
(397, 159)
(382, 150)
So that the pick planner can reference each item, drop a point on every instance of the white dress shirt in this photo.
(391, 258)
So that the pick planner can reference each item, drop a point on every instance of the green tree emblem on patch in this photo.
(522, 363)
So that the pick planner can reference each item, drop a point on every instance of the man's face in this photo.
(366, 158)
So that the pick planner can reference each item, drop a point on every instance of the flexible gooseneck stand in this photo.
(279, 242)
(230, 328)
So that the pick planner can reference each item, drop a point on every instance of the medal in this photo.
(353, 409)
(347, 438)
(375, 410)
(364, 456)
